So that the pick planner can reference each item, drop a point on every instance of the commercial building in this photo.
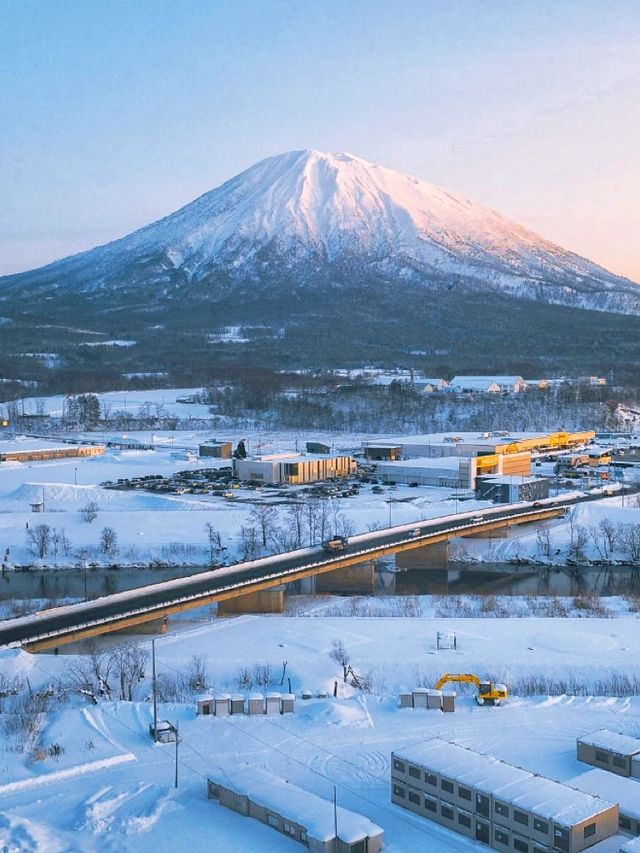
(511, 489)
(501, 443)
(496, 803)
(488, 384)
(611, 751)
(625, 792)
(298, 814)
(292, 468)
(454, 471)
(37, 451)
(216, 449)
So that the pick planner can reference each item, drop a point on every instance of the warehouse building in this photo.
(611, 751)
(292, 468)
(625, 792)
(495, 803)
(481, 444)
(458, 472)
(298, 814)
(503, 489)
(32, 451)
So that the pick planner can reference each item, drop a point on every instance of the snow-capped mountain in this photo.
(306, 216)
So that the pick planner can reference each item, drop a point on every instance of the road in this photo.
(261, 573)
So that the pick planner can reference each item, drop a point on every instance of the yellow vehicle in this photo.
(488, 692)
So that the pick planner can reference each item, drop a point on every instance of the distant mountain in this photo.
(307, 219)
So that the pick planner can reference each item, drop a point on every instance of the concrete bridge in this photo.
(247, 587)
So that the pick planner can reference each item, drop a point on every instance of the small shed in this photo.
(166, 732)
(272, 705)
(288, 703)
(434, 699)
(256, 703)
(216, 449)
(420, 697)
(206, 706)
(296, 813)
(449, 701)
(406, 700)
(222, 705)
(237, 704)
(610, 751)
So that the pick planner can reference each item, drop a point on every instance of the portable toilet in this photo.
(273, 703)
(434, 699)
(205, 706)
(306, 694)
(237, 704)
(449, 701)
(406, 700)
(256, 703)
(288, 703)
(222, 705)
(420, 697)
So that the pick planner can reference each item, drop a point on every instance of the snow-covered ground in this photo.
(112, 789)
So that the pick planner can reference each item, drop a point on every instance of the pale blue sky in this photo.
(116, 112)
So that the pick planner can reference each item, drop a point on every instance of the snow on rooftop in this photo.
(606, 739)
(620, 789)
(312, 812)
(528, 791)
(426, 462)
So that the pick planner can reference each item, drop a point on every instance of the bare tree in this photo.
(543, 538)
(39, 540)
(129, 662)
(339, 654)
(89, 511)
(248, 542)
(109, 542)
(215, 543)
(295, 518)
(631, 539)
(264, 517)
(609, 533)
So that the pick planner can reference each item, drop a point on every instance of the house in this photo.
(611, 751)
(488, 384)
(300, 815)
(496, 803)
(292, 468)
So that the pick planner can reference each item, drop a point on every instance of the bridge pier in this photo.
(262, 601)
(434, 556)
(360, 578)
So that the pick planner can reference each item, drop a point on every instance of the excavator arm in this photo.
(467, 678)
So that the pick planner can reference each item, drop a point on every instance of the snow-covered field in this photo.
(112, 789)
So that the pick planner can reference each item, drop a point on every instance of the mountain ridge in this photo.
(309, 216)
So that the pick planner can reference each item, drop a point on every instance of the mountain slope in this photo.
(309, 218)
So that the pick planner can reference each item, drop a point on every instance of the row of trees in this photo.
(44, 540)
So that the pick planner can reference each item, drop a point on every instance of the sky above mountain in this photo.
(115, 114)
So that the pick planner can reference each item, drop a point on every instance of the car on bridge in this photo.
(335, 544)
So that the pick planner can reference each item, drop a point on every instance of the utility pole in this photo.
(177, 744)
(335, 812)
(155, 701)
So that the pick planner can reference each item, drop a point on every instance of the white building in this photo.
(294, 468)
(449, 471)
(488, 384)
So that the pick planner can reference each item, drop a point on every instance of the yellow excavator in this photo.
(488, 692)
